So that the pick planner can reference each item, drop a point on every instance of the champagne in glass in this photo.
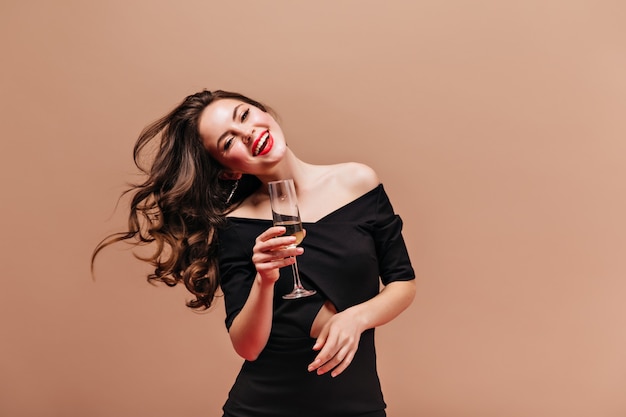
(285, 213)
(294, 228)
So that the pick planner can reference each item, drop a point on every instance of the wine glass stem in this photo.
(296, 275)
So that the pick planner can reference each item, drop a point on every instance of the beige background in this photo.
(497, 128)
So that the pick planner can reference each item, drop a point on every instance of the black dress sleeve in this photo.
(236, 270)
(393, 258)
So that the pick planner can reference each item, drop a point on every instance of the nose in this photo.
(247, 135)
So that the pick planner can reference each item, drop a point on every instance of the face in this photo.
(241, 137)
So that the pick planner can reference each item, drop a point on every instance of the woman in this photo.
(205, 203)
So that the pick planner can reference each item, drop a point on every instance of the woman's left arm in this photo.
(339, 338)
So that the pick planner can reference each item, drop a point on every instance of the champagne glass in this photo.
(285, 213)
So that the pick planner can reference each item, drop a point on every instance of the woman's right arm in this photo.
(251, 328)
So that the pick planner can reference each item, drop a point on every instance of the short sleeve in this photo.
(236, 270)
(393, 257)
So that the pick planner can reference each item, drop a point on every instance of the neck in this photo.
(290, 167)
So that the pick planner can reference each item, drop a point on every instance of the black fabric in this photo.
(347, 254)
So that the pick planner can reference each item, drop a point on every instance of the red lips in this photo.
(263, 144)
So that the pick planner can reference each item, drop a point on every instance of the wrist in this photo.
(264, 283)
(360, 317)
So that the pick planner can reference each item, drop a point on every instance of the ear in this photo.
(230, 175)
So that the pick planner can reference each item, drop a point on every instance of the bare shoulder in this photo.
(357, 177)
(349, 180)
(335, 186)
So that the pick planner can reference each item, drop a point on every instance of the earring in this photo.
(232, 191)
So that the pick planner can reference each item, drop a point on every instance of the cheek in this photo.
(237, 156)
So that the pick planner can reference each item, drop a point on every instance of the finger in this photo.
(266, 254)
(274, 242)
(271, 232)
(283, 252)
(321, 339)
(319, 344)
(332, 362)
(280, 246)
(343, 365)
(269, 271)
(327, 352)
(274, 264)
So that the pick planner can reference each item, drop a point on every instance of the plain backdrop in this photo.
(497, 128)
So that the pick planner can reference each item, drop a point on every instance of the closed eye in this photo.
(228, 143)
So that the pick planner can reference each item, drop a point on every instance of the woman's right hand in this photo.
(251, 328)
(270, 253)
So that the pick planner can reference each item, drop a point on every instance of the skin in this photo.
(230, 130)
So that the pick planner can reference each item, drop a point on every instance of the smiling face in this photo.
(241, 137)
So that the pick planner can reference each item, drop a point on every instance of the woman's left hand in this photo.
(338, 342)
(339, 337)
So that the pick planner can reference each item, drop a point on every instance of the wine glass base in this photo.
(299, 293)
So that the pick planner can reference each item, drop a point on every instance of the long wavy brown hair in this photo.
(182, 202)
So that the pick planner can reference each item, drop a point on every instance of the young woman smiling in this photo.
(205, 206)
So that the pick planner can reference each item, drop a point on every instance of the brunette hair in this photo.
(183, 201)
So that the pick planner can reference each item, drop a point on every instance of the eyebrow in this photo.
(223, 135)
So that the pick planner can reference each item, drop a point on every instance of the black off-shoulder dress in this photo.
(347, 253)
